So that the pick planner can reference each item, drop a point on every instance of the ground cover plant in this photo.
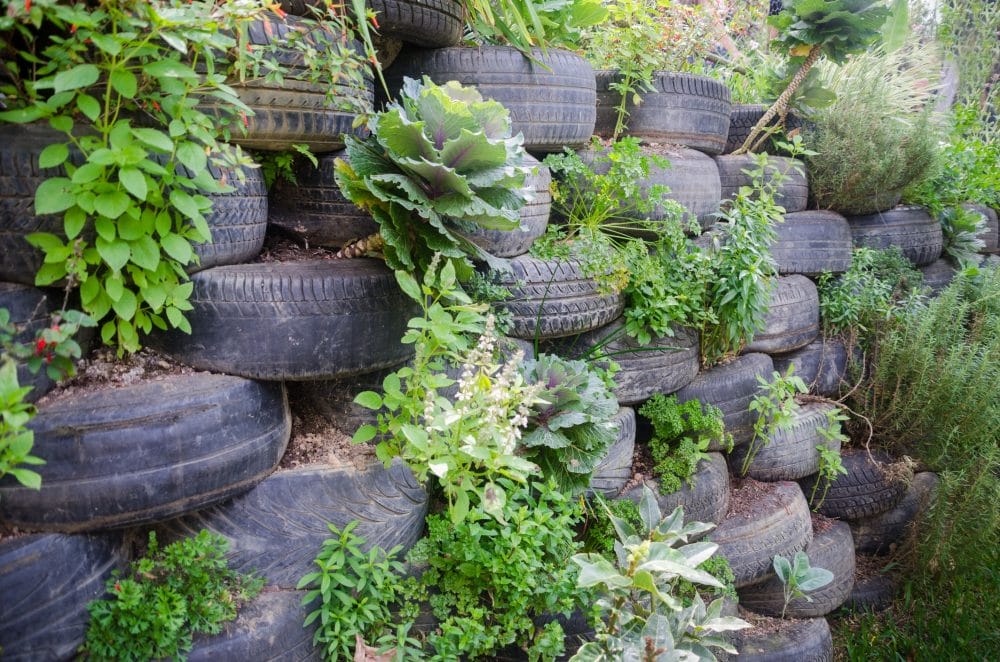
(682, 433)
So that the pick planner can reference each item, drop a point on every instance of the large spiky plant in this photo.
(437, 164)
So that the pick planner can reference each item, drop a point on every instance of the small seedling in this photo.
(799, 578)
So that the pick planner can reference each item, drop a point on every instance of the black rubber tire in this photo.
(238, 220)
(534, 218)
(296, 110)
(615, 469)
(278, 527)
(911, 228)
(938, 275)
(551, 98)
(822, 364)
(20, 177)
(269, 628)
(872, 594)
(793, 191)
(30, 309)
(865, 491)
(881, 534)
(991, 234)
(313, 208)
(319, 319)
(554, 299)
(663, 366)
(778, 523)
(743, 118)
(731, 387)
(791, 453)
(46, 581)
(808, 640)
(811, 242)
(682, 109)
(706, 499)
(831, 549)
(427, 23)
(792, 319)
(117, 457)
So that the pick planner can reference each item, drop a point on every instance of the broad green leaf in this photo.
(89, 106)
(595, 569)
(82, 75)
(682, 570)
(145, 252)
(782, 568)
(649, 509)
(114, 253)
(177, 247)
(369, 400)
(409, 285)
(364, 433)
(53, 196)
(112, 204)
(193, 157)
(134, 182)
(53, 155)
(30, 479)
(25, 115)
(185, 204)
(815, 578)
(154, 138)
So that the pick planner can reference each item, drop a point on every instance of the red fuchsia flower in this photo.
(375, 22)
(40, 347)
(27, 5)
(246, 122)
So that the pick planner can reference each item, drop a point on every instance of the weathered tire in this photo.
(427, 23)
(938, 275)
(615, 469)
(117, 457)
(278, 527)
(682, 109)
(792, 318)
(705, 499)
(992, 232)
(911, 228)
(806, 640)
(534, 218)
(29, 309)
(873, 594)
(238, 220)
(731, 387)
(743, 118)
(811, 242)
(319, 319)
(663, 366)
(790, 453)
(882, 533)
(554, 299)
(865, 491)
(46, 582)
(832, 549)
(314, 209)
(778, 523)
(792, 192)
(822, 364)
(296, 110)
(269, 628)
(551, 98)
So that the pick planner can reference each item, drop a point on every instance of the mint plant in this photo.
(354, 590)
(439, 162)
(775, 408)
(799, 578)
(639, 591)
(166, 597)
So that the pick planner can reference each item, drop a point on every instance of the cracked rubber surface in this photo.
(124, 457)
(882, 533)
(822, 365)
(791, 452)
(278, 527)
(807, 640)
(792, 318)
(865, 491)
(938, 275)
(615, 469)
(811, 242)
(705, 498)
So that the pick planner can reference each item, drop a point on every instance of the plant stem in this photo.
(782, 101)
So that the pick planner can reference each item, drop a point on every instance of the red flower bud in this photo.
(39, 347)
(118, 587)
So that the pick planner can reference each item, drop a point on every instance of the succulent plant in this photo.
(569, 432)
(439, 163)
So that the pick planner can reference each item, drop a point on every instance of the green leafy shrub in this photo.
(491, 577)
(638, 590)
(775, 407)
(354, 589)
(681, 435)
(878, 285)
(569, 428)
(439, 162)
(878, 136)
(165, 598)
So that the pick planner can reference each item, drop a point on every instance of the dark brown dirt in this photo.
(316, 441)
(763, 625)
(103, 370)
(866, 567)
(280, 248)
(642, 467)
(10, 532)
(821, 523)
(747, 494)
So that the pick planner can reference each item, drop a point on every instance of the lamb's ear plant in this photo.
(638, 593)
(438, 163)
(775, 408)
(799, 578)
